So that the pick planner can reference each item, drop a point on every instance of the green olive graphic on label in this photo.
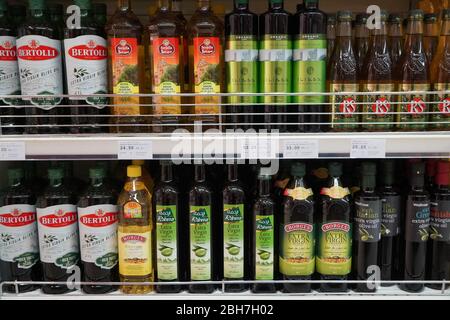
(200, 252)
(167, 252)
(264, 255)
(234, 251)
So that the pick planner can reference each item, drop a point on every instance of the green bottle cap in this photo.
(276, 1)
(55, 173)
(15, 174)
(97, 173)
(344, 16)
(335, 169)
(446, 14)
(415, 15)
(361, 19)
(36, 4)
(369, 169)
(298, 169)
(430, 18)
(394, 18)
(242, 1)
(3, 5)
(83, 4)
(310, 1)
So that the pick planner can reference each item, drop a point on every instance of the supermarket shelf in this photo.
(229, 146)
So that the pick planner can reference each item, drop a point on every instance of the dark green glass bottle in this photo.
(100, 11)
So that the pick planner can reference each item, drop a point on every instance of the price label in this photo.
(368, 148)
(12, 151)
(258, 148)
(135, 150)
(301, 149)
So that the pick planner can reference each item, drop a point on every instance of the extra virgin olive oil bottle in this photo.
(367, 228)
(201, 255)
(58, 232)
(241, 58)
(168, 243)
(417, 222)
(19, 259)
(135, 233)
(264, 237)
(297, 232)
(334, 253)
(97, 221)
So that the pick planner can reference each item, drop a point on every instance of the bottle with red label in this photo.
(86, 64)
(165, 38)
(413, 74)
(205, 31)
(58, 233)
(97, 221)
(19, 248)
(9, 75)
(41, 73)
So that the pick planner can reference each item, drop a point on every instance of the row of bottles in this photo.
(296, 227)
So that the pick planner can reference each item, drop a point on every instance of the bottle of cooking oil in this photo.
(135, 233)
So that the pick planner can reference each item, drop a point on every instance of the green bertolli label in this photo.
(233, 239)
(166, 242)
(200, 243)
(27, 260)
(297, 250)
(108, 261)
(68, 260)
(264, 269)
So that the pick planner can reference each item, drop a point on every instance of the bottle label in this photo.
(265, 242)
(135, 253)
(441, 105)
(18, 235)
(98, 235)
(417, 221)
(40, 66)
(298, 193)
(275, 58)
(241, 57)
(297, 252)
(207, 73)
(344, 106)
(9, 69)
(125, 74)
(368, 221)
(310, 67)
(335, 248)
(440, 221)
(414, 106)
(200, 243)
(58, 235)
(391, 206)
(166, 242)
(378, 108)
(166, 78)
(233, 240)
(132, 210)
(335, 192)
(86, 68)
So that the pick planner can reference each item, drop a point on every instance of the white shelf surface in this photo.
(330, 145)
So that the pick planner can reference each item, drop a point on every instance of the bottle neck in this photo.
(200, 175)
(264, 187)
(276, 5)
(165, 5)
(166, 173)
(16, 182)
(382, 31)
(232, 173)
(204, 5)
(368, 183)
(124, 5)
(56, 182)
(431, 30)
(344, 31)
(418, 182)
(361, 31)
(176, 5)
(415, 28)
(299, 182)
(396, 30)
(2, 14)
(96, 182)
(335, 182)
(445, 34)
(37, 13)
(414, 37)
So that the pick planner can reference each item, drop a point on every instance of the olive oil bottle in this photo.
(135, 233)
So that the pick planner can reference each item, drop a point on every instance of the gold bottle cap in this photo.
(134, 171)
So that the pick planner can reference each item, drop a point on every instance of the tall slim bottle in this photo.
(205, 33)
(431, 35)
(440, 76)
(264, 237)
(40, 63)
(377, 76)
(126, 68)
(413, 74)
(241, 58)
(361, 39)
(165, 37)
(235, 231)
(331, 35)
(177, 9)
(417, 222)
(166, 199)
(297, 232)
(201, 255)
(367, 224)
(309, 67)
(275, 56)
(19, 249)
(135, 233)
(334, 250)
(100, 12)
(395, 36)
(342, 77)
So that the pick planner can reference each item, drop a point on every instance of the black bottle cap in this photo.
(298, 169)
(344, 16)
(395, 18)
(446, 14)
(15, 174)
(335, 169)
(430, 18)
(361, 18)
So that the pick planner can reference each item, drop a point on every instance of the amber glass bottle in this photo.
(395, 36)
(431, 35)
(361, 39)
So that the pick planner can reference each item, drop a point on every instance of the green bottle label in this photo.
(241, 57)
(275, 58)
(233, 239)
(166, 242)
(264, 248)
(297, 256)
(335, 248)
(310, 67)
(200, 242)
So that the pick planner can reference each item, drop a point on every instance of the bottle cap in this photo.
(15, 174)
(369, 169)
(298, 169)
(344, 16)
(446, 14)
(415, 15)
(361, 18)
(56, 9)
(335, 169)
(430, 18)
(242, 1)
(97, 173)
(394, 18)
(310, 1)
(36, 4)
(443, 173)
(100, 8)
(331, 19)
(3, 5)
(55, 173)
(138, 162)
(102, 165)
(83, 4)
(134, 171)
(384, 15)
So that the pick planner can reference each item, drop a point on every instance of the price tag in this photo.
(135, 150)
(258, 148)
(301, 149)
(12, 151)
(368, 148)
